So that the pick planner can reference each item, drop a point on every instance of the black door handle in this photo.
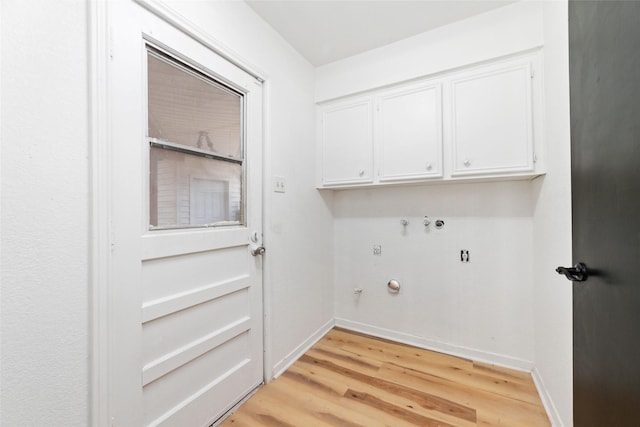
(577, 273)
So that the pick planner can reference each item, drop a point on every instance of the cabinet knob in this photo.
(361, 172)
(467, 162)
(428, 166)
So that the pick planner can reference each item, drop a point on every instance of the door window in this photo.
(195, 132)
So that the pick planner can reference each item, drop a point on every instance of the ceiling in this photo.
(324, 31)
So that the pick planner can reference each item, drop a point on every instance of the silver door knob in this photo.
(260, 250)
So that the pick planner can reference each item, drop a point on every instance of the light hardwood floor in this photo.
(350, 380)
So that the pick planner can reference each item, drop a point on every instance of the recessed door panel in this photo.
(492, 127)
(174, 395)
(347, 143)
(410, 132)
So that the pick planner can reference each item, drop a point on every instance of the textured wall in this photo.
(44, 213)
(489, 35)
(479, 309)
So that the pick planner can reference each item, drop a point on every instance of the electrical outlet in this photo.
(377, 250)
(279, 184)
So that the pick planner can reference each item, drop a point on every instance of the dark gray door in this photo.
(604, 58)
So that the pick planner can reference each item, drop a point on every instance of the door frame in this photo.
(100, 174)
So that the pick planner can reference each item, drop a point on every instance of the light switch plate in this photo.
(279, 184)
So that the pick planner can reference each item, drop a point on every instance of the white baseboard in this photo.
(442, 347)
(547, 402)
(290, 359)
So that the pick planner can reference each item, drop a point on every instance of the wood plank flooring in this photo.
(352, 380)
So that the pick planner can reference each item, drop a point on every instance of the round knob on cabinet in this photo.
(361, 172)
(467, 162)
(428, 166)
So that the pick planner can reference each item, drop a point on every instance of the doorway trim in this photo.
(173, 18)
(100, 218)
(101, 170)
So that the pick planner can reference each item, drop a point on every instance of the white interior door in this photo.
(185, 303)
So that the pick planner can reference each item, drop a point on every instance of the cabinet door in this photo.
(410, 134)
(492, 120)
(347, 143)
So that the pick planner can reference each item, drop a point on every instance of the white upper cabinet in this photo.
(347, 143)
(477, 123)
(492, 120)
(409, 133)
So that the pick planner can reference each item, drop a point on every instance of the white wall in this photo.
(298, 224)
(552, 227)
(45, 213)
(481, 309)
(490, 35)
(484, 308)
